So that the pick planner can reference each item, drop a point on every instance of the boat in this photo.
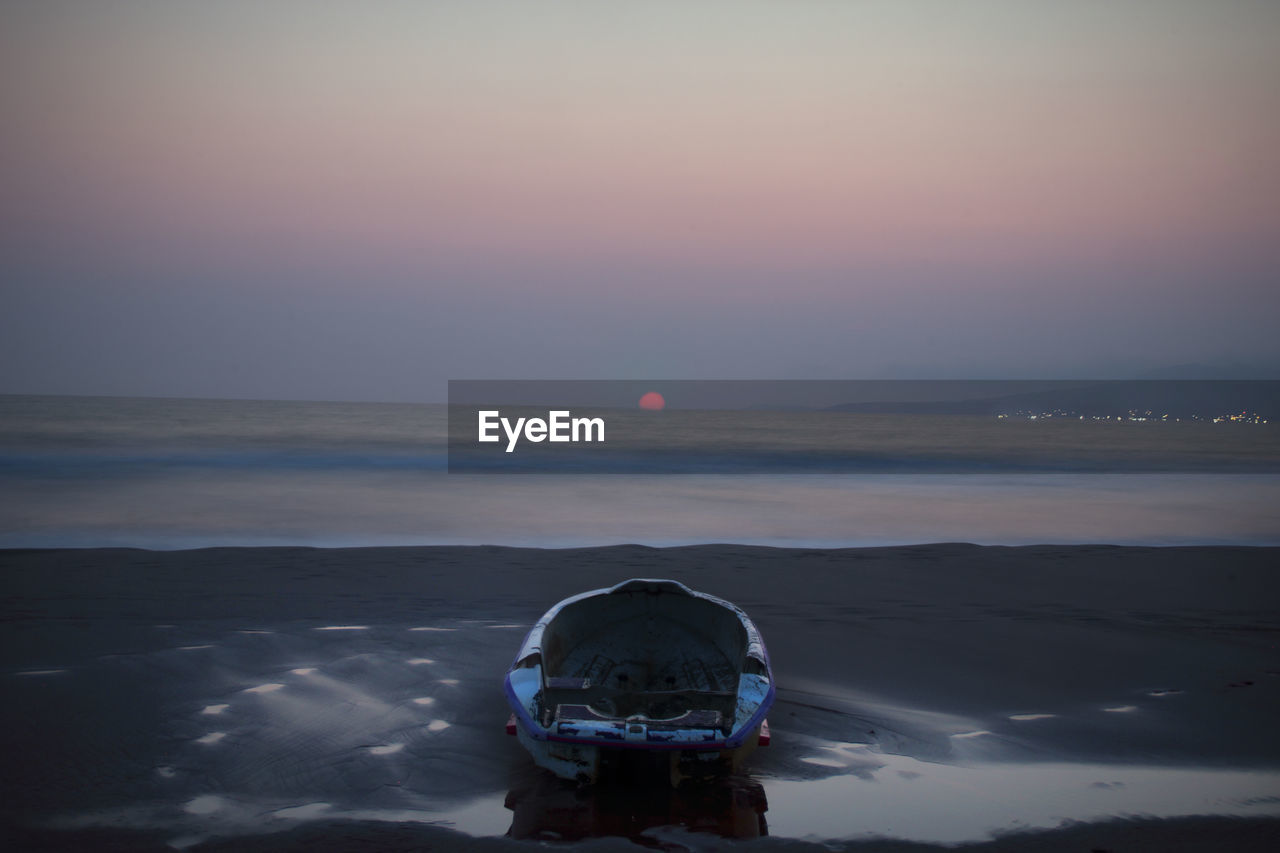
(649, 668)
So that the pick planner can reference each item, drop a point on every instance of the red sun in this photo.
(653, 401)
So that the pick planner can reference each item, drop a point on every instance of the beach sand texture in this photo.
(1084, 697)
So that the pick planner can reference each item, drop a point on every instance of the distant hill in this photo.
(1227, 371)
(1175, 398)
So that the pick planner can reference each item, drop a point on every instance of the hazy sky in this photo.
(360, 200)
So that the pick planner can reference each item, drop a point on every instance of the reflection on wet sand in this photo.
(970, 802)
(550, 809)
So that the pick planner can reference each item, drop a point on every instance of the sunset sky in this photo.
(361, 200)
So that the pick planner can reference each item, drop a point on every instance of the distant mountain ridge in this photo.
(1175, 398)
(1219, 371)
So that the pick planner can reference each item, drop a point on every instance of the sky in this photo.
(361, 200)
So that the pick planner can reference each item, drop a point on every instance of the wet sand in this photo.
(1085, 697)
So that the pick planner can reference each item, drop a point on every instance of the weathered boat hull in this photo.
(647, 666)
(586, 763)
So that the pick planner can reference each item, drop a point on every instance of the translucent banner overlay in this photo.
(881, 427)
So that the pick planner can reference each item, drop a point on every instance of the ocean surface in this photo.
(171, 473)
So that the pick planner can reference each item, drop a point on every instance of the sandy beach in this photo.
(987, 698)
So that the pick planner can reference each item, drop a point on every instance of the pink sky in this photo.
(829, 155)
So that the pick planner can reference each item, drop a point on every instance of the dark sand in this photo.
(1079, 698)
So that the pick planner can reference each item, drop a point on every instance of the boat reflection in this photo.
(548, 808)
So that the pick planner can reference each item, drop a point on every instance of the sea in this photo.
(188, 473)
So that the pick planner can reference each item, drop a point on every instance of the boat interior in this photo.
(667, 657)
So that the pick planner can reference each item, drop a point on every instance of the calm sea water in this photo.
(186, 473)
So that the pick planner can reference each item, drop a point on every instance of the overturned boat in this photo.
(645, 667)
